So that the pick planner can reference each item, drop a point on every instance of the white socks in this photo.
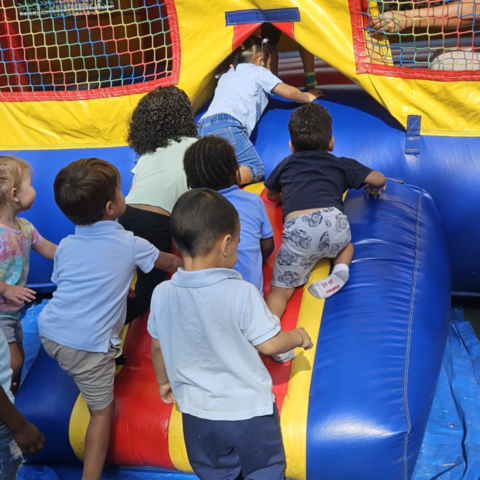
(284, 357)
(332, 284)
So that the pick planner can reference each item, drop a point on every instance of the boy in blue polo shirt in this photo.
(207, 327)
(211, 163)
(80, 326)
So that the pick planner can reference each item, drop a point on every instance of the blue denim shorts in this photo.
(11, 458)
(228, 127)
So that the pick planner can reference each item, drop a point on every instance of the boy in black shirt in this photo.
(310, 183)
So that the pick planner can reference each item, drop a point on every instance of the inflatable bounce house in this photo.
(355, 406)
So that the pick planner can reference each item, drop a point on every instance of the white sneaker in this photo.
(284, 357)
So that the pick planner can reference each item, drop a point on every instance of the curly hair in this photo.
(163, 115)
(12, 172)
(310, 128)
(211, 163)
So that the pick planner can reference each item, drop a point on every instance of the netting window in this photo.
(83, 46)
(417, 39)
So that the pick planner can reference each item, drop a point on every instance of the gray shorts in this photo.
(306, 239)
(12, 328)
(93, 372)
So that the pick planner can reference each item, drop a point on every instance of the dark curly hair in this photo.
(310, 128)
(161, 116)
(249, 49)
(211, 163)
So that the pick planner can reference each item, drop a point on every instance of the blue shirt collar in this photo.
(98, 227)
(203, 278)
(229, 189)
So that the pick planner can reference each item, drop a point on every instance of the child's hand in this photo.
(306, 340)
(167, 394)
(313, 94)
(19, 295)
(29, 438)
(131, 293)
(375, 191)
(388, 22)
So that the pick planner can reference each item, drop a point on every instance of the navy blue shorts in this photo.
(229, 450)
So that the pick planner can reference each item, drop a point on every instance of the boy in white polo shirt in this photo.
(93, 269)
(208, 326)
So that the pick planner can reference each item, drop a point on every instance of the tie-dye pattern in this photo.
(15, 246)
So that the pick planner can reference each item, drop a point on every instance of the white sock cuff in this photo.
(341, 267)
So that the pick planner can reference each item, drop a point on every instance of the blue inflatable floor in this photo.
(451, 447)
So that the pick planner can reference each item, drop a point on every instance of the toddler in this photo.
(207, 327)
(80, 326)
(17, 435)
(17, 237)
(211, 163)
(162, 127)
(240, 98)
(310, 183)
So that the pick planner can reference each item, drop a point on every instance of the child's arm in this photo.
(267, 245)
(285, 341)
(168, 262)
(17, 294)
(161, 373)
(375, 183)
(46, 249)
(294, 94)
(275, 197)
(28, 437)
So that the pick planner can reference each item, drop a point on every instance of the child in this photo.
(162, 127)
(17, 436)
(240, 98)
(310, 183)
(211, 163)
(17, 237)
(93, 269)
(207, 326)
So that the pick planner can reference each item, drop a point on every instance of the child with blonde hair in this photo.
(17, 237)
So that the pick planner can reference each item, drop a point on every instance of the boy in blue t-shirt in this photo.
(207, 327)
(211, 163)
(93, 268)
(310, 183)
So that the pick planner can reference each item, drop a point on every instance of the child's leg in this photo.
(278, 298)
(338, 278)
(11, 458)
(96, 442)
(209, 455)
(17, 358)
(260, 434)
(225, 126)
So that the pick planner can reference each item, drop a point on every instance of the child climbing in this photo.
(310, 183)
(240, 98)
(207, 326)
(211, 163)
(162, 127)
(17, 237)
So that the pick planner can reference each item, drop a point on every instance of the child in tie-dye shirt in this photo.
(17, 237)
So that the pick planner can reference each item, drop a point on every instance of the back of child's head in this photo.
(211, 163)
(200, 218)
(163, 115)
(310, 128)
(12, 172)
(249, 50)
(84, 187)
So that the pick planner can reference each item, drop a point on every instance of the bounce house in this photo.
(357, 404)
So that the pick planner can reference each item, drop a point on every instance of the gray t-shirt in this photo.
(208, 323)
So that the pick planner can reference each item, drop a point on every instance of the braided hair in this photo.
(211, 163)
(249, 49)
(163, 115)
